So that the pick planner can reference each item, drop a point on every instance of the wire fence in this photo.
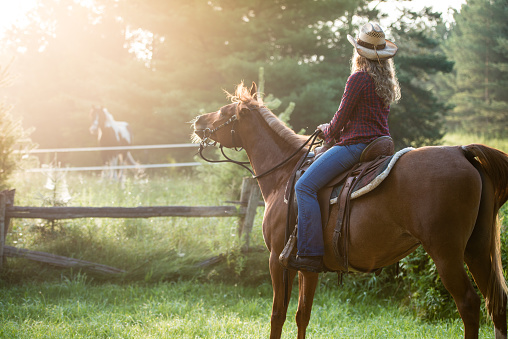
(112, 148)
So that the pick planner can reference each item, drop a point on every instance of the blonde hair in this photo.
(382, 73)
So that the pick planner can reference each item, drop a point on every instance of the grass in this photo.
(465, 139)
(77, 308)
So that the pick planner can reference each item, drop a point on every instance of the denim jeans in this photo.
(330, 164)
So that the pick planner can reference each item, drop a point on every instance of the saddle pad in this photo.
(372, 181)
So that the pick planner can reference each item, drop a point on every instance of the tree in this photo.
(64, 63)
(157, 63)
(417, 120)
(201, 47)
(478, 45)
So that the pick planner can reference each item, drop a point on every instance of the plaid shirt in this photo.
(361, 117)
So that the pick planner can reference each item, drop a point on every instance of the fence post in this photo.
(249, 199)
(2, 227)
(6, 198)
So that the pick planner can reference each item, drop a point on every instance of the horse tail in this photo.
(494, 164)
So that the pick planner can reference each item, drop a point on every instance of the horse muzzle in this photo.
(201, 128)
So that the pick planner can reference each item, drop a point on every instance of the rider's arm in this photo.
(354, 86)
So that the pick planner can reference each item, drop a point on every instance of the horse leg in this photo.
(455, 279)
(279, 310)
(138, 170)
(110, 170)
(121, 162)
(483, 259)
(307, 283)
(481, 269)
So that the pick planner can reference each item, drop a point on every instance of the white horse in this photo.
(112, 133)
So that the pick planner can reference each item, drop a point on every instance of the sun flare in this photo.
(14, 12)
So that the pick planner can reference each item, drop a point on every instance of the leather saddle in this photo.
(373, 160)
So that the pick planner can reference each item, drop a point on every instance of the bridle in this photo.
(207, 132)
(206, 141)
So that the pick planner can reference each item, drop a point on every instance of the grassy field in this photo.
(165, 293)
(465, 139)
(75, 308)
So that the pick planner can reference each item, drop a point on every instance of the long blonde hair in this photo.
(382, 73)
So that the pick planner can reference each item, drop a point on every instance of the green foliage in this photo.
(150, 250)
(426, 294)
(162, 62)
(10, 132)
(417, 120)
(481, 68)
(12, 136)
(466, 139)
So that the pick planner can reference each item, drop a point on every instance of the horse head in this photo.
(223, 125)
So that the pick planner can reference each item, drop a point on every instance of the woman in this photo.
(361, 118)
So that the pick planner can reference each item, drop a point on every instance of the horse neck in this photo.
(108, 117)
(266, 149)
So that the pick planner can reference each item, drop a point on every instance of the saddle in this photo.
(374, 160)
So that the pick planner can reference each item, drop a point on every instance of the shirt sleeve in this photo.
(354, 86)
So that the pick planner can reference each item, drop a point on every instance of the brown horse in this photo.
(443, 198)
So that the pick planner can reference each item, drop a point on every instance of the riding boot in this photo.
(306, 263)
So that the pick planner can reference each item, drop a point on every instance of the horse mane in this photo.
(107, 114)
(242, 94)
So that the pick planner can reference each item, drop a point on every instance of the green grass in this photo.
(75, 308)
(466, 139)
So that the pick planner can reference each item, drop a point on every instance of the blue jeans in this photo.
(330, 164)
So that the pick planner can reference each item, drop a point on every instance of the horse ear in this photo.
(254, 91)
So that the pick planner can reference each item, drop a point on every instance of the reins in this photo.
(206, 142)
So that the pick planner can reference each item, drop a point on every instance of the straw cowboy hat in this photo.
(371, 43)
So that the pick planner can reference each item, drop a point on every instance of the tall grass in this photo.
(148, 249)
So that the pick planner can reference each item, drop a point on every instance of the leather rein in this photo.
(207, 141)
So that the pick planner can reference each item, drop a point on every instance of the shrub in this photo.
(11, 135)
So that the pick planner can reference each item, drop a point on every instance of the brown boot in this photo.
(304, 263)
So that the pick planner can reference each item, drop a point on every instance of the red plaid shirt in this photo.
(361, 117)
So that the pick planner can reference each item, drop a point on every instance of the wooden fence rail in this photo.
(55, 213)
(246, 211)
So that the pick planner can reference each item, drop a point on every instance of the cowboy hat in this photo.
(371, 43)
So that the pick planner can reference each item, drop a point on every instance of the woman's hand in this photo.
(322, 128)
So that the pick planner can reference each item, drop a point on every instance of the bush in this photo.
(11, 135)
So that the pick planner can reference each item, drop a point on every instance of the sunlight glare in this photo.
(14, 12)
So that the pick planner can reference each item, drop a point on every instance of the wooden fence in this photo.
(245, 210)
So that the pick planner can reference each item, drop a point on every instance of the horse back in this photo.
(431, 193)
